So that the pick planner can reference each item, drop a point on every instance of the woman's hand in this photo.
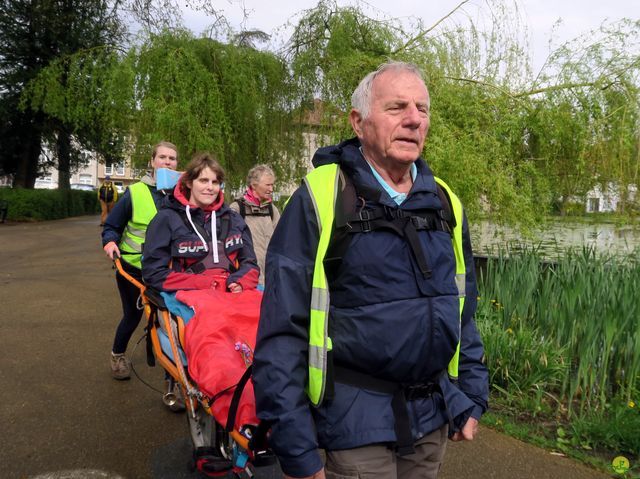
(235, 287)
(111, 248)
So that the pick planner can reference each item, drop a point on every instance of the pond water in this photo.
(556, 236)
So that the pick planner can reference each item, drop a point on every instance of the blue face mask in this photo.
(166, 179)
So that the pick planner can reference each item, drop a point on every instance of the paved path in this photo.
(63, 417)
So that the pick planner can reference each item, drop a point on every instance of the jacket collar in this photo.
(348, 155)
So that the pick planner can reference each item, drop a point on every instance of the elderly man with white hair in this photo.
(367, 348)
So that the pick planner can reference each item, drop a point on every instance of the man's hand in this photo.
(111, 248)
(235, 287)
(317, 475)
(468, 432)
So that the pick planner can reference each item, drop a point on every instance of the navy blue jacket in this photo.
(385, 320)
(172, 246)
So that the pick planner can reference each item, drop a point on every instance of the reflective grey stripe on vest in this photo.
(126, 239)
(136, 232)
(320, 299)
(317, 356)
(137, 248)
(461, 283)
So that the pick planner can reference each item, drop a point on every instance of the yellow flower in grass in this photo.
(631, 404)
(509, 331)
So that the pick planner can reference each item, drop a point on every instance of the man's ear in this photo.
(355, 118)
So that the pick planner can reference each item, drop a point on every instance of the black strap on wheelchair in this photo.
(258, 441)
(400, 395)
(156, 299)
(151, 357)
(235, 400)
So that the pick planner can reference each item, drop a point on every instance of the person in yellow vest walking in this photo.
(107, 195)
(123, 235)
(366, 346)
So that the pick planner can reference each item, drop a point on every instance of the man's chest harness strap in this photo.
(356, 214)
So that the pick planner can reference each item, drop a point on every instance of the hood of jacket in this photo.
(148, 179)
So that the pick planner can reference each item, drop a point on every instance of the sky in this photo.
(539, 16)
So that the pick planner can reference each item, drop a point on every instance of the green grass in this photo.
(552, 436)
(563, 345)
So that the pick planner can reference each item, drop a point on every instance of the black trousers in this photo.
(131, 315)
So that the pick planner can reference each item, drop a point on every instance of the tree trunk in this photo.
(27, 168)
(63, 150)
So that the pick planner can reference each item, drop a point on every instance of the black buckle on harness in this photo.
(364, 217)
(445, 221)
(420, 223)
(419, 391)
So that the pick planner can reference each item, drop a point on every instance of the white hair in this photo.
(257, 172)
(361, 98)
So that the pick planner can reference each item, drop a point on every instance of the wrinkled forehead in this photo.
(265, 178)
(399, 84)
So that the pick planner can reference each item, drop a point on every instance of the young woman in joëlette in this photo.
(196, 241)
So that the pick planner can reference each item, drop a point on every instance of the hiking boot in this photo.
(173, 397)
(120, 366)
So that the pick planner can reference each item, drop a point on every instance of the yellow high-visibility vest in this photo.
(143, 210)
(323, 184)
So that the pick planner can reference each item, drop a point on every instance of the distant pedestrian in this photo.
(108, 195)
(257, 208)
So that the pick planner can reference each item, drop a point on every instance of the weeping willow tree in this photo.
(584, 123)
(201, 94)
(511, 143)
(89, 92)
(198, 93)
(475, 121)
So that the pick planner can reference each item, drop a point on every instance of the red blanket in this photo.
(220, 340)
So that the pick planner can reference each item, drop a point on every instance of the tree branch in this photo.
(428, 30)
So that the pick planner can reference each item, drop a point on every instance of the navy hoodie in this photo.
(180, 237)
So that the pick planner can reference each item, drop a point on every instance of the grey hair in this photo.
(361, 98)
(258, 172)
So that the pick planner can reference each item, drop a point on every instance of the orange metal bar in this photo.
(121, 270)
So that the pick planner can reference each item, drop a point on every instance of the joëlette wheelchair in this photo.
(218, 450)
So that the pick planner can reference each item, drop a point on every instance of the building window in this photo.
(593, 205)
(85, 179)
(114, 169)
